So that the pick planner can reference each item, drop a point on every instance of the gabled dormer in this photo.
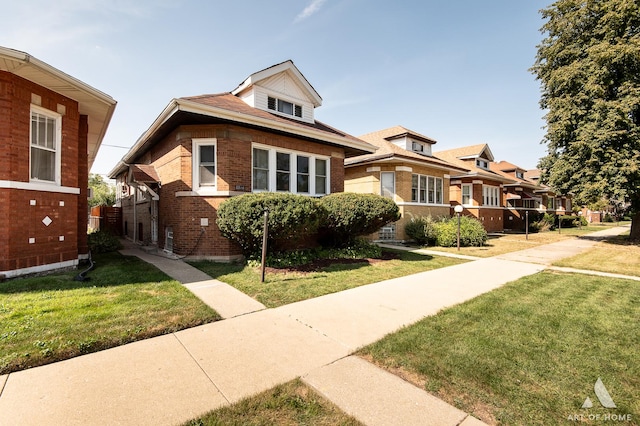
(411, 141)
(282, 90)
(510, 169)
(479, 156)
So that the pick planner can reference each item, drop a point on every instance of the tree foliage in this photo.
(589, 68)
(104, 194)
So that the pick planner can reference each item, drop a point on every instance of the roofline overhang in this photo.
(482, 176)
(96, 98)
(178, 105)
(385, 158)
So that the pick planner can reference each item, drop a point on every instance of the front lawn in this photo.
(529, 352)
(51, 318)
(292, 403)
(616, 255)
(284, 287)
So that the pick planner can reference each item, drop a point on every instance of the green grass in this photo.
(292, 403)
(621, 257)
(51, 318)
(529, 352)
(282, 288)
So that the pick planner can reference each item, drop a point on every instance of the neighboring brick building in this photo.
(202, 150)
(479, 189)
(51, 126)
(403, 169)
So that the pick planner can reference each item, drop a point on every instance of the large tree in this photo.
(589, 67)
(104, 194)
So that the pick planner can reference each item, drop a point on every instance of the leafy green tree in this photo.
(589, 67)
(104, 194)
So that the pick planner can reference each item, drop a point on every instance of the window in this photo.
(321, 176)
(284, 107)
(302, 182)
(466, 194)
(388, 184)
(289, 171)
(519, 174)
(45, 145)
(421, 148)
(283, 171)
(483, 164)
(529, 204)
(490, 195)
(426, 189)
(551, 203)
(260, 169)
(204, 164)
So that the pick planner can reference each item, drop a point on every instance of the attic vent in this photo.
(271, 103)
(298, 111)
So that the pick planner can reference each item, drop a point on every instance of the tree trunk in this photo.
(635, 227)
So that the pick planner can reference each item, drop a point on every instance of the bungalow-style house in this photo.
(201, 150)
(405, 170)
(520, 195)
(551, 201)
(478, 189)
(51, 126)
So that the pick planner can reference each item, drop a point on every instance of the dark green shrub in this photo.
(352, 215)
(566, 221)
(472, 233)
(549, 219)
(608, 218)
(103, 242)
(422, 230)
(293, 221)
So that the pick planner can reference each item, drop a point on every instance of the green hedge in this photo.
(103, 242)
(444, 232)
(350, 215)
(293, 219)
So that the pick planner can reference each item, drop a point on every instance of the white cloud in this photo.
(310, 10)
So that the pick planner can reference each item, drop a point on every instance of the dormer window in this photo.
(420, 148)
(519, 175)
(284, 107)
(483, 164)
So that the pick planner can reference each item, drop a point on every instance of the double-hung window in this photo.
(426, 189)
(204, 164)
(388, 184)
(490, 196)
(466, 194)
(46, 136)
(289, 171)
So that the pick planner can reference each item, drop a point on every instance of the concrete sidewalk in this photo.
(174, 378)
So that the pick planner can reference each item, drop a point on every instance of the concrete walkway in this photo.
(174, 378)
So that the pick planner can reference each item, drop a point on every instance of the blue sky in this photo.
(454, 70)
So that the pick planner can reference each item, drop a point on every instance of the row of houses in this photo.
(201, 150)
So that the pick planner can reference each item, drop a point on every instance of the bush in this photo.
(360, 249)
(422, 230)
(293, 219)
(351, 215)
(472, 233)
(566, 221)
(608, 218)
(103, 242)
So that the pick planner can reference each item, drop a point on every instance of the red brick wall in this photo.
(19, 219)
(172, 160)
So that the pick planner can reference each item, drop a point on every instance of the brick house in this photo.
(201, 150)
(521, 195)
(405, 170)
(479, 189)
(51, 126)
(552, 201)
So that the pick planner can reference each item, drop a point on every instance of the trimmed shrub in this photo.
(422, 230)
(472, 233)
(351, 215)
(567, 221)
(103, 242)
(293, 219)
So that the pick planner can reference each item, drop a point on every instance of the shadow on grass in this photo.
(111, 269)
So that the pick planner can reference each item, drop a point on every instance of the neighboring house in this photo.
(552, 202)
(478, 189)
(202, 150)
(51, 126)
(405, 170)
(520, 196)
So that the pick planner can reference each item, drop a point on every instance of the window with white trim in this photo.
(490, 196)
(289, 171)
(45, 137)
(426, 189)
(204, 164)
(483, 164)
(285, 107)
(467, 190)
(388, 184)
(529, 204)
(519, 174)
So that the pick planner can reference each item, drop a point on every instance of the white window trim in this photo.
(58, 151)
(394, 184)
(470, 186)
(272, 150)
(196, 143)
(436, 202)
(488, 193)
